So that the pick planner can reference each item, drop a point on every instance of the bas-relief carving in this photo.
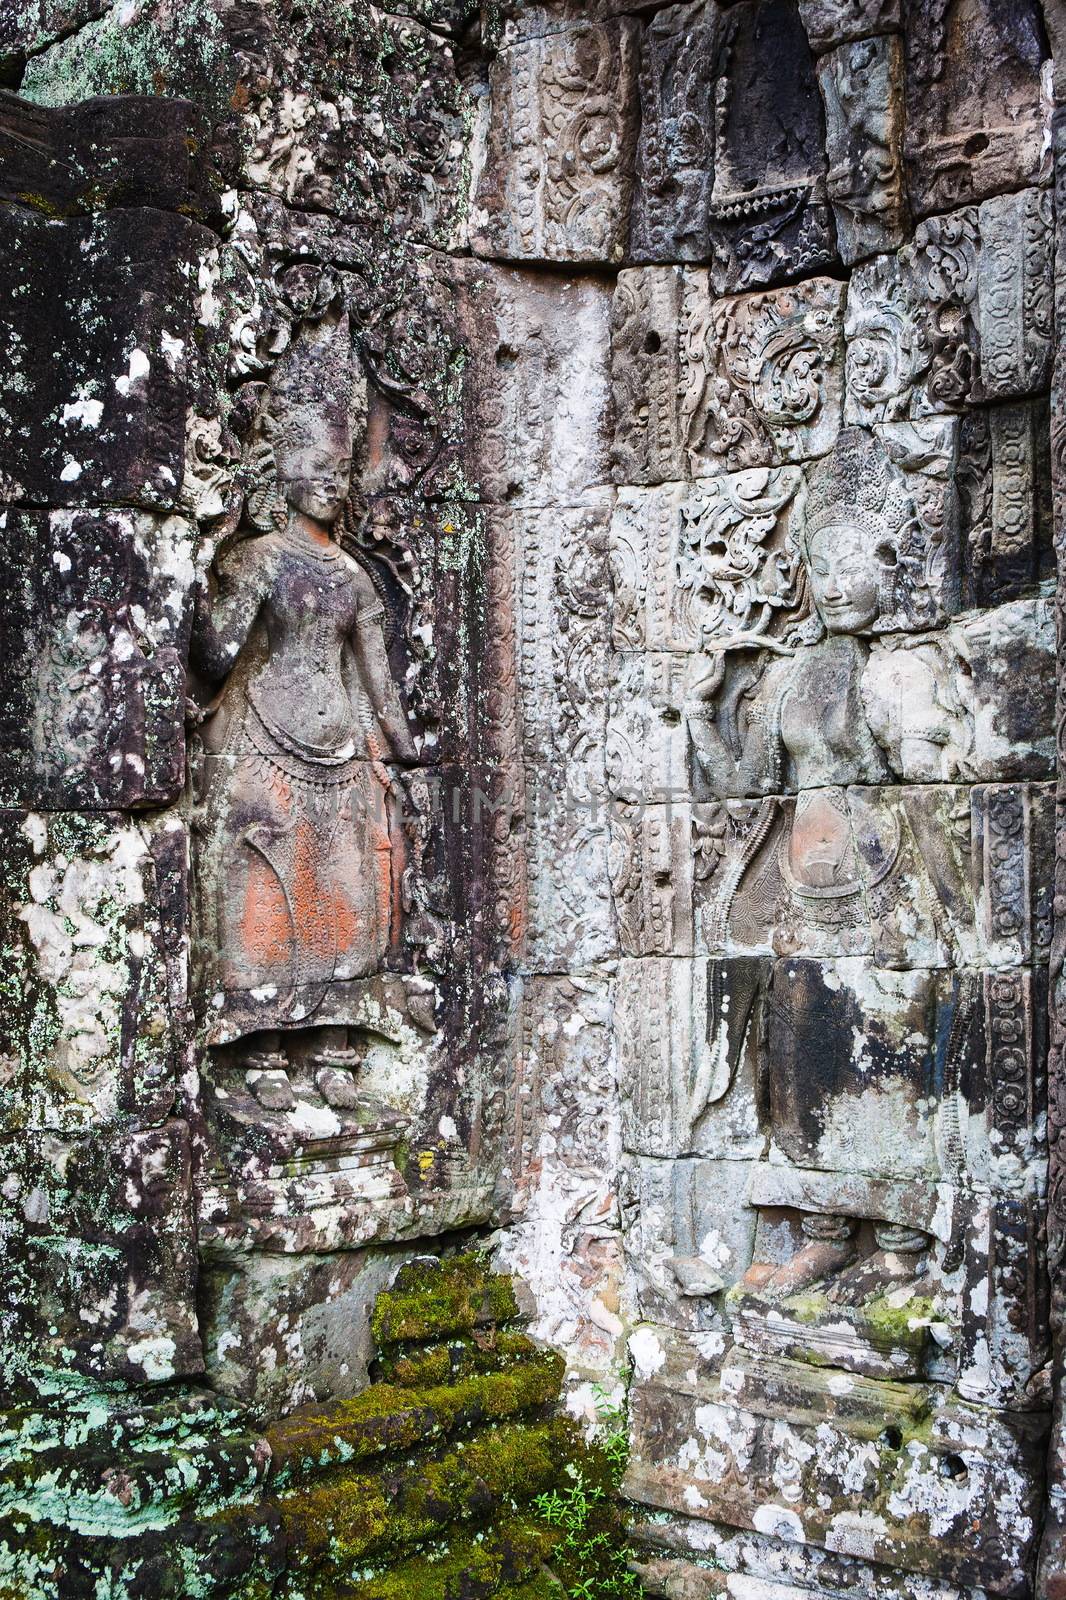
(558, 174)
(300, 848)
(297, 860)
(704, 386)
(879, 919)
(962, 314)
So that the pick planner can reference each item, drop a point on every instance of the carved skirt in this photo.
(295, 880)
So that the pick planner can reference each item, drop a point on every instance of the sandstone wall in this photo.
(529, 715)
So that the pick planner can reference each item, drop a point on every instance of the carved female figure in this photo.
(297, 861)
(819, 719)
(821, 875)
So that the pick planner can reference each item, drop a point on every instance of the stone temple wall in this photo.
(528, 706)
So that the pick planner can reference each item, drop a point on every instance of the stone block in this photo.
(562, 1169)
(129, 150)
(562, 598)
(887, 1101)
(96, 314)
(765, 375)
(975, 126)
(651, 859)
(860, 1063)
(99, 1255)
(688, 1042)
(686, 1238)
(537, 386)
(675, 148)
(962, 315)
(834, 22)
(862, 88)
(96, 921)
(1004, 480)
(281, 1331)
(894, 1473)
(520, 20)
(983, 684)
(696, 566)
(648, 370)
(646, 745)
(558, 174)
(924, 876)
(770, 217)
(95, 618)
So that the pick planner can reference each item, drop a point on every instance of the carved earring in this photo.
(267, 509)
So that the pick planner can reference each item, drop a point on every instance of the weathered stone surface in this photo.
(122, 151)
(675, 151)
(964, 315)
(95, 915)
(96, 613)
(770, 219)
(835, 22)
(1005, 488)
(558, 175)
(102, 421)
(974, 118)
(672, 571)
(120, 1305)
(562, 1169)
(913, 1511)
(862, 87)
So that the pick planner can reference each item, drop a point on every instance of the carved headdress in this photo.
(311, 396)
(858, 489)
(313, 385)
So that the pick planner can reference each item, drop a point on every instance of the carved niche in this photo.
(295, 771)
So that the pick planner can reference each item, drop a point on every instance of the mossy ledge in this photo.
(422, 1487)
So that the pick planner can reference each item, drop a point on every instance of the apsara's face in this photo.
(845, 578)
(315, 472)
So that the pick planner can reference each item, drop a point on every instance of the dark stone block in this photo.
(95, 317)
(94, 628)
(770, 218)
(122, 150)
(98, 1253)
(974, 126)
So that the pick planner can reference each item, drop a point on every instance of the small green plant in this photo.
(592, 1556)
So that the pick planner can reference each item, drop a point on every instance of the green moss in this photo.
(454, 1360)
(334, 1528)
(431, 1300)
(474, 1564)
(808, 1308)
(385, 1419)
(893, 1323)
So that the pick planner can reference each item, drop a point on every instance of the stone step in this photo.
(342, 1525)
(432, 1300)
(480, 1566)
(385, 1419)
(485, 1350)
